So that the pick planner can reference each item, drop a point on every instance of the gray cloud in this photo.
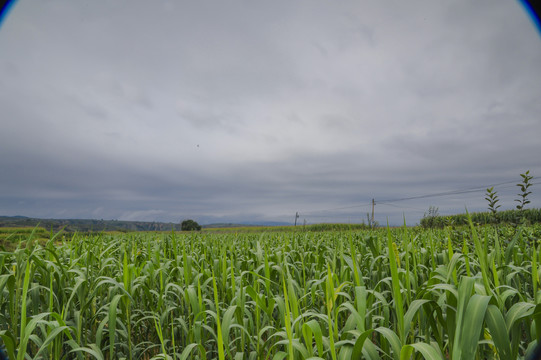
(253, 111)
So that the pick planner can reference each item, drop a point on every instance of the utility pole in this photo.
(296, 217)
(372, 220)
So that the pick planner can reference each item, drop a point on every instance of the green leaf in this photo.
(426, 350)
(498, 331)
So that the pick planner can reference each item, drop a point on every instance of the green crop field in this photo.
(455, 293)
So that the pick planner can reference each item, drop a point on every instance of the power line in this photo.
(425, 196)
(401, 207)
(455, 192)
(451, 192)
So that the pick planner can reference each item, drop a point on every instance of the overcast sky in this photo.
(254, 110)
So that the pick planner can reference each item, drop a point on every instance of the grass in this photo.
(405, 293)
(10, 237)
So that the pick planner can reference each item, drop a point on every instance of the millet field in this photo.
(464, 292)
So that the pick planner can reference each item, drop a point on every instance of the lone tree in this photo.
(189, 225)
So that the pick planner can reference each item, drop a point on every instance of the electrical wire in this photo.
(446, 193)
(401, 207)
(390, 202)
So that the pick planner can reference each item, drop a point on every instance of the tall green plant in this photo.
(492, 198)
(524, 186)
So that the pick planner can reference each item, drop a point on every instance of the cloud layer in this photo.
(246, 111)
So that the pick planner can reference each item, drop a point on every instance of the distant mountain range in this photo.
(86, 225)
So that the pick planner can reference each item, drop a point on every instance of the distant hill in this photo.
(87, 225)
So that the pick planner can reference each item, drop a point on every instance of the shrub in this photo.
(190, 225)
